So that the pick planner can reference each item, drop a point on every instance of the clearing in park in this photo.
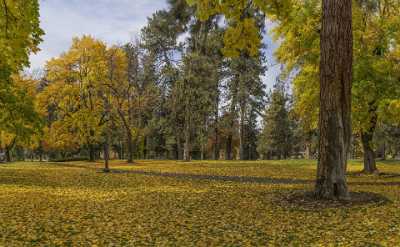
(169, 203)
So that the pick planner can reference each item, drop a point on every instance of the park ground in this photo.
(207, 203)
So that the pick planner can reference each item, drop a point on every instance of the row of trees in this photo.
(20, 35)
(157, 97)
(190, 86)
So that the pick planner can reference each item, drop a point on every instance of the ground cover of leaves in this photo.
(201, 203)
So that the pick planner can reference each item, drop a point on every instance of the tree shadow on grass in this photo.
(245, 179)
(242, 179)
(222, 178)
(225, 178)
(377, 174)
(306, 201)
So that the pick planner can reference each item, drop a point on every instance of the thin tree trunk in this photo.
(92, 155)
(232, 115)
(369, 154)
(216, 144)
(335, 99)
(366, 139)
(9, 148)
(229, 140)
(216, 125)
(179, 147)
(308, 151)
(242, 132)
(229, 147)
(8, 154)
(308, 144)
(384, 151)
(186, 147)
(187, 127)
(202, 153)
(130, 145)
(106, 155)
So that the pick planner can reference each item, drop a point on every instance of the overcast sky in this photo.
(114, 21)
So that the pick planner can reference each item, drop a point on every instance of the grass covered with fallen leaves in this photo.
(213, 203)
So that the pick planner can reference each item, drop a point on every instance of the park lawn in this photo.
(201, 203)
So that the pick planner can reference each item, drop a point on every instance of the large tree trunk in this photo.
(335, 99)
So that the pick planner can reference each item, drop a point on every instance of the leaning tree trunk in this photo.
(335, 99)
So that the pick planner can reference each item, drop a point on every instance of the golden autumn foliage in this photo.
(169, 203)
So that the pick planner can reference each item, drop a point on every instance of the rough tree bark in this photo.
(335, 99)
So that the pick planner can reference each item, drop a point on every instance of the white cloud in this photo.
(114, 21)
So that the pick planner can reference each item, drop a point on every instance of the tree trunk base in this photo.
(370, 172)
(327, 190)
